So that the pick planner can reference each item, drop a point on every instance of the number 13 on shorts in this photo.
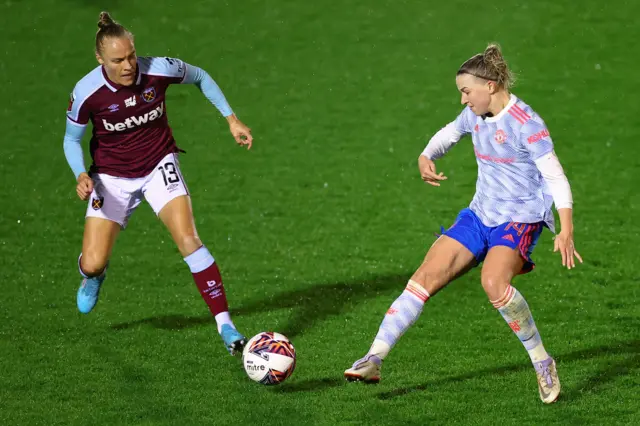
(169, 174)
(166, 183)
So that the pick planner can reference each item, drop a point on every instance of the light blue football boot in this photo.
(233, 340)
(89, 291)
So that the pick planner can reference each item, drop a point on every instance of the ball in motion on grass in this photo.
(269, 358)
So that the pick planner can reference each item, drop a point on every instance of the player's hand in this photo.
(84, 187)
(428, 171)
(240, 132)
(564, 244)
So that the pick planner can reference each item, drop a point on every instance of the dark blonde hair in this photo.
(489, 65)
(107, 27)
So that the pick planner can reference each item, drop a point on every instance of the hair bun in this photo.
(105, 20)
(489, 65)
(493, 52)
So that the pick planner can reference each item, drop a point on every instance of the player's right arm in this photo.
(77, 119)
(439, 145)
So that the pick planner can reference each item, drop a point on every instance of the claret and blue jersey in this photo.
(131, 131)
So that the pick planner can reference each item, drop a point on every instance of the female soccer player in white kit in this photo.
(135, 157)
(519, 178)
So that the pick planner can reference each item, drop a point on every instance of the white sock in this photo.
(516, 313)
(404, 311)
(223, 318)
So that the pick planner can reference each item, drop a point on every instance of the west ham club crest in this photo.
(96, 203)
(149, 94)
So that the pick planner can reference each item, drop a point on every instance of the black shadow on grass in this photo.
(168, 322)
(607, 374)
(310, 305)
(312, 385)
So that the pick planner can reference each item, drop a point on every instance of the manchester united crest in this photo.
(500, 136)
(149, 94)
(97, 202)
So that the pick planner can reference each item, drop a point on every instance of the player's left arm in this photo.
(211, 90)
(536, 139)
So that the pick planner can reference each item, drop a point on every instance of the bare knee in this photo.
(92, 263)
(494, 285)
(188, 243)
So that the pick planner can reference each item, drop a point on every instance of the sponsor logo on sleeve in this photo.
(538, 136)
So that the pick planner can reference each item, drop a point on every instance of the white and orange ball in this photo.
(269, 358)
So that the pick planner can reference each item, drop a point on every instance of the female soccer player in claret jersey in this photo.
(134, 157)
(519, 178)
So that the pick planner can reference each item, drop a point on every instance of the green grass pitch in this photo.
(319, 226)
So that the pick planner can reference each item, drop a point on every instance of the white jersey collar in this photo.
(512, 101)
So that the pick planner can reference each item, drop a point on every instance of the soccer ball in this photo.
(269, 358)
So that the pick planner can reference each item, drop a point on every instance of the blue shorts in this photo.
(469, 231)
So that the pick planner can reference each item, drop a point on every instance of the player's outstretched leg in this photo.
(404, 311)
(177, 216)
(99, 238)
(446, 260)
(501, 265)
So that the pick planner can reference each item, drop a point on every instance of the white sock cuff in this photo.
(417, 290)
(80, 269)
(507, 297)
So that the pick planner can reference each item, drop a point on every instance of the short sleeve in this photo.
(171, 68)
(78, 111)
(535, 138)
